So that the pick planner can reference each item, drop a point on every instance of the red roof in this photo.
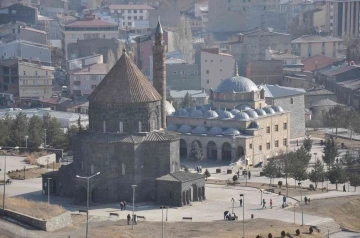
(90, 23)
(321, 61)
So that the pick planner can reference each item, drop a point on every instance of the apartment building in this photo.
(130, 15)
(9, 77)
(311, 45)
(215, 67)
(84, 29)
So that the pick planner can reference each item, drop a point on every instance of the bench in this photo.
(113, 214)
(187, 218)
(82, 211)
(141, 217)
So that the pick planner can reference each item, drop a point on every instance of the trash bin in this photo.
(252, 216)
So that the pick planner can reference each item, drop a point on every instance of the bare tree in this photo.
(183, 39)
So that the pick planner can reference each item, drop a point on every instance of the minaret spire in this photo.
(236, 69)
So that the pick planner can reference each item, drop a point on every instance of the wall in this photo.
(33, 36)
(310, 99)
(295, 82)
(183, 76)
(265, 71)
(52, 224)
(47, 159)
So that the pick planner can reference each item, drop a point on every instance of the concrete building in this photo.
(18, 12)
(9, 77)
(50, 26)
(33, 35)
(215, 67)
(311, 45)
(237, 125)
(319, 62)
(289, 60)
(317, 94)
(265, 71)
(182, 76)
(86, 29)
(129, 15)
(199, 97)
(291, 100)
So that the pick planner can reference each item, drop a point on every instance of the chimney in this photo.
(159, 69)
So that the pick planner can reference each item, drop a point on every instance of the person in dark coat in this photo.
(124, 205)
(240, 202)
(344, 188)
(134, 218)
(249, 173)
(128, 219)
(121, 205)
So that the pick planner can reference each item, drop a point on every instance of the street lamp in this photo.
(133, 187)
(233, 201)
(162, 221)
(26, 138)
(243, 195)
(315, 156)
(48, 187)
(261, 191)
(87, 200)
(302, 207)
(24, 171)
(15, 148)
(45, 138)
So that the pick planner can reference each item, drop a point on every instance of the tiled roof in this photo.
(320, 60)
(276, 91)
(33, 30)
(353, 84)
(96, 69)
(284, 56)
(181, 176)
(321, 91)
(340, 70)
(316, 38)
(324, 102)
(124, 84)
(130, 7)
(90, 23)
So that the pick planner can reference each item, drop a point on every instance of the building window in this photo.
(140, 126)
(174, 73)
(141, 11)
(24, 72)
(36, 73)
(92, 169)
(207, 81)
(205, 60)
(291, 100)
(123, 169)
(135, 11)
(121, 127)
(141, 18)
(47, 73)
(135, 17)
(104, 126)
(250, 146)
(268, 145)
(220, 70)
(268, 129)
(276, 143)
(93, 86)
(129, 17)
(260, 147)
(207, 71)
(276, 127)
(285, 142)
(82, 165)
(196, 72)
(285, 126)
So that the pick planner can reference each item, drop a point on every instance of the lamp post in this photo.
(302, 207)
(87, 200)
(286, 174)
(315, 156)
(47, 163)
(233, 201)
(26, 138)
(133, 187)
(45, 138)
(243, 195)
(24, 172)
(48, 187)
(162, 221)
(15, 148)
(261, 191)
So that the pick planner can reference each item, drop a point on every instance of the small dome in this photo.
(210, 114)
(169, 108)
(200, 130)
(243, 107)
(231, 132)
(260, 112)
(190, 109)
(277, 108)
(251, 113)
(269, 110)
(242, 116)
(181, 113)
(197, 114)
(219, 111)
(206, 107)
(237, 84)
(254, 125)
(172, 127)
(226, 115)
(234, 111)
(215, 131)
(185, 129)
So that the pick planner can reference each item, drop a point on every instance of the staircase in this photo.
(327, 226)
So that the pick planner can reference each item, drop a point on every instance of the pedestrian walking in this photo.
(240, 202)
(344, 188)
(264, 204)
(124, 205)
(134, 219)
(128, 219)
(305, 200)
(121, 205)
(309, 201)
(284, 201)
(271, 202)
(249, 174)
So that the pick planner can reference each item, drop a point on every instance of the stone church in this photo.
(127, 142)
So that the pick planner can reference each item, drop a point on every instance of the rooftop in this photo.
(319, 91)
(90, 23)
(95, 69)
(317, 62)
(324, 102)
(280, 56)
(193, 93)
(316, 38)
(276, 91)
(181, 176)
(130, 7)
(340, 70)
(33, 29)
(353, 84)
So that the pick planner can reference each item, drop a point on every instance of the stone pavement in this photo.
(12, 163)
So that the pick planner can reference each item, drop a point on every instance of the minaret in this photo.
(159, 69)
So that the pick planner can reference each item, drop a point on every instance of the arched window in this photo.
(92, 169)
(104, 126)
(140, 126)
(121, 127)
(123, 169)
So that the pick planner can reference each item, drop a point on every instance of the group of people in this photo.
(264, 203)
(129, 218)
(198, 169)
(123, 205)
(307, 200)
(229, 217)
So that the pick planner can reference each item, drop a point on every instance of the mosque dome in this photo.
(243, 107)
(190, 109)
(237, 84)
(226, 115)
(231, 132)
(269, 110)
(181, 112)
(197, 114)
(260, 112)
(210, 114)
(252, 113)
(254, 125)
(200, 130)
(215, 131)
(219, 111)
(169, 108)
(277, 108)
(185, 129)
(234, 111)
(172, 127)
(242, 116)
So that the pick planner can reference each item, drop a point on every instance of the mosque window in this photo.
(268, 129)
(276, 143)
(268, 146)
(92, 169)
(140, 126)
(104, 126)
(123, 169)
(121, 127)
(276, 127)
(285, 126)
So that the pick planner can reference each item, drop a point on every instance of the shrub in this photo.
(280, 184)
(311, 186)
(297, 232)
(31, 158)
(235, 178)
(311, 230)
(283, 234)
(269, 235)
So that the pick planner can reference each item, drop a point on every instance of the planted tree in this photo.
(330, 152)
(187, 101)
(207, 173)
(70, 133)
(317, 174)
(271, 169)
(19, 129)
(337, 175)
(335, 117)
(35, 132)
(196, 153)
(354, 180)
(348, 159)
(307, 142)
